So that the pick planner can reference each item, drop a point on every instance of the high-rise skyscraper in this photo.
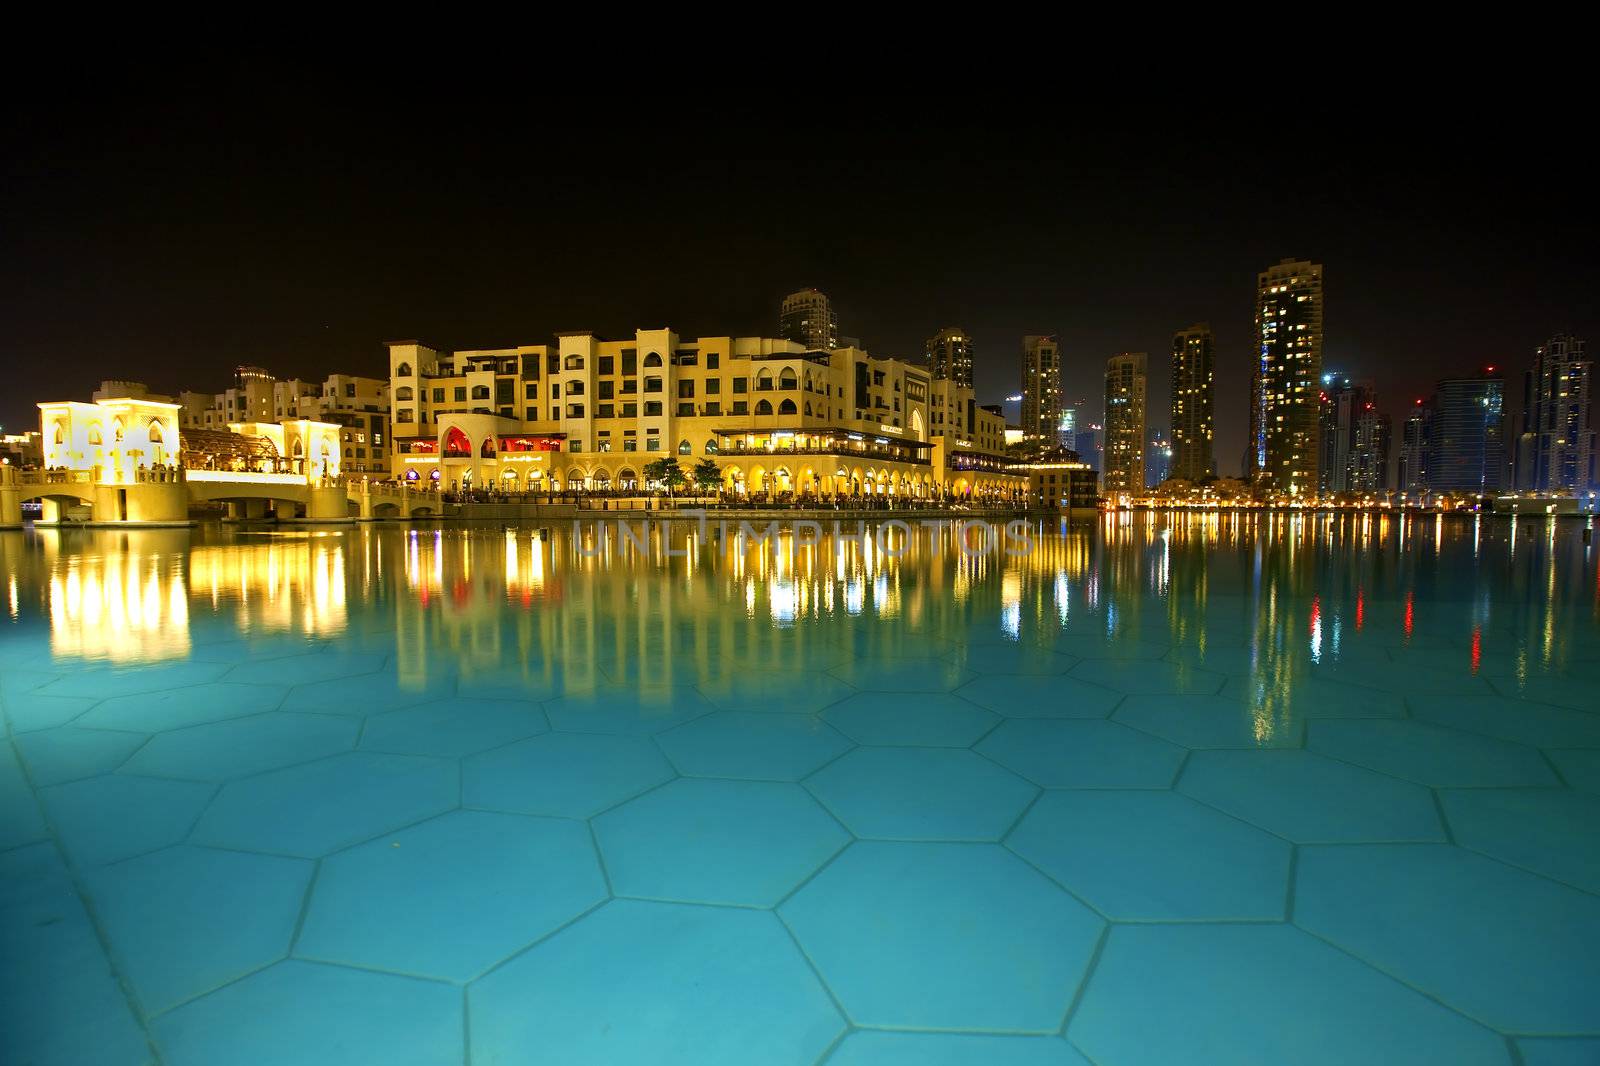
(1348, 435)
(1124, 424)
(1413, 473)
(1193, 366)
(950, 356)
(1369, 452)
(1289, 366)
(1556, 449)
(1157, 458)
(1041, 389)
(1466, 435)
(807, 318)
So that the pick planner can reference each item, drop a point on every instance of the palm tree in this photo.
(707, 475)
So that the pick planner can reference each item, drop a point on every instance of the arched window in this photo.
(299, 449)
(403, 393)
(94, 434)
(787, 379)
(711, 447)
(61, 434)
(787, 408)
(764, 380)
(116, 431)
(456, 443)
(685, 448)
(808, 408)
(574, 388)
(486, 449)
(403, 370)
(480, 392)
(653, 359)
(763, 407)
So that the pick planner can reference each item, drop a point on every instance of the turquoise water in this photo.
(1236, 791)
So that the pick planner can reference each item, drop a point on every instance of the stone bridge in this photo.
(165, 496)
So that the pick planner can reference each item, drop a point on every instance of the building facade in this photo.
(949, 355)
(359, 405)
(1041, 390)
(1123, 473)
(588, 414)
(1286, 386)
(1194, 356)
(1412, 473)
(1352, 438)
(1060, 482)
(807, 318)
(1556, 448)
(1466, 435)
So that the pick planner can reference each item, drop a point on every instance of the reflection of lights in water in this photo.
(1316, 629)
(1011, 604)
(854, 597)
(1063, 597)
(784, 599)
(12, 598)
(1477, 648)
(122, 608)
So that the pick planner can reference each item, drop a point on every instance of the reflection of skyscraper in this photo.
(1555, 451)
(1041, 389)
(1124, 422)
(1193, 364)
(807, 318)
(1289, 354)
(950, 357)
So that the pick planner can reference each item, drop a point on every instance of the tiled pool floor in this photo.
(977, 842)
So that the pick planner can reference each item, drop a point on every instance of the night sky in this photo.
(168, 231)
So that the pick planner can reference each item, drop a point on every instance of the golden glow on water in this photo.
(1278, 599)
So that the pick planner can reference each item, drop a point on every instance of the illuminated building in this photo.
(1413, 471)
(1158, 459)
(1556, 448)
(360, 405)
(1193, 368)
(1060, 481)
(950, 356)
(1041, 389)
(589, 414)
(1466, 435)
(806, 317)
(1124, 424)
(1288, 373)
(1353, 437)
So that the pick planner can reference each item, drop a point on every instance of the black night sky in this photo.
(167, 232)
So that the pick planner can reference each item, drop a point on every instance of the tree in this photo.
(707, 475)
(668, 472)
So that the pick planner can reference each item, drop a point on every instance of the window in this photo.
(574, 388)
(741, 407)
(403, 415)
(713, 360)
(155, 433)
(786, 407)
(574, 362)
(630, 410)
(787, 380)
(713, 408)
(403, 370)
(711, 447)
(652, 384)
(531, 414)
(630, 361)
(530, 391)
(652, 408)
(686, 410)
(574, 410)
(653, 444)
(652, 360)
(403, 393)
(713, 386)
(763, 407)
(606, 389)
(480, 392)
(741, 384)
(686, 390)
(607, 364)
(605, 410)
(438, 396)
(94, 435)
(764, 380)
(685, 448)
(461, 395)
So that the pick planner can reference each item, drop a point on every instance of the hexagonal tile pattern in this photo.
(929, 719)
(1032, 696)
(1259, 995)
(566, 775)
(453, 727)
(157, 909)
(782, 691)
(1518, 721)
(315, 1015)
(62, 1002)
(107, 682)
(453, 896)
(903, 675)
(360, 694)
(1155, 856)
(702, 841)
(752, 746)
(114, 816)
(238, 747)
(150, 712)
(627, 709)
(29, 711)
(69, 753)
(1555, 832)
(866, 1047)
(1202, 721)
(307, 668)
(1514, 950)
(1312, 697)
(921, 794)
(1139, 677)
(953, 936)
(670, 984)
(314, 808)
(1430, 755)
(1083, 754)
(1012, 659)
(1311, 799)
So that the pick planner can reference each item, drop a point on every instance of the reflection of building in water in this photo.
(285, 584)
(125, 606)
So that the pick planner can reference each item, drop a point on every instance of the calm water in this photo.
(1203, 790)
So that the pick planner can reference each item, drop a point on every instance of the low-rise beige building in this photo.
(589, 414)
